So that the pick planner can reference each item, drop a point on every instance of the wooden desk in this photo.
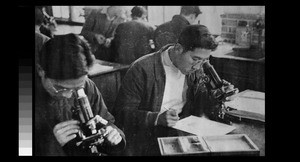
(255, 131)
(108, 80)
(244, 73)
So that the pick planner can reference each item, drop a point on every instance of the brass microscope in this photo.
(90, 136)
(214, 82)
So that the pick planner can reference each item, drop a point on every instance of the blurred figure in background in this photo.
(132, 38)
(99, 29)
(88, 9)
(40, 38)
(169, 32)
(49, 25)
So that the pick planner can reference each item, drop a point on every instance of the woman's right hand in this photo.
(66, 131)
(168, 118)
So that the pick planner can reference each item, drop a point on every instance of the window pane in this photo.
(65, 13)
(61, 11)
(77, 14)
(56, 11)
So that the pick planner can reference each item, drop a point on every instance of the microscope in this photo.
(214, 82)
(90, 135)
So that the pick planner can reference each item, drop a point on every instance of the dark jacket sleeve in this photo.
(111, 33)
(45, 137)
(127, 110)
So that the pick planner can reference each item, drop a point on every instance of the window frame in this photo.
(61, 20)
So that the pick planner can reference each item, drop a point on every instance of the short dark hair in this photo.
(65, 57)
(188, 10)
(138, 11)
(196, 36)
(39, 16)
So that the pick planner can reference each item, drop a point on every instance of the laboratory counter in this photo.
(108, 78)
(244, 68)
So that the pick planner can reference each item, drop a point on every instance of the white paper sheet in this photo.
(253, 94)
(202, 126)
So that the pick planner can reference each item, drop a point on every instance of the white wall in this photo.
(244, 9)
(160, 14)
(210, 17)
(170, 11)
(155, 15)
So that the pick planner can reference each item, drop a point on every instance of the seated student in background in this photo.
(62, 69)
(40, 38)
(169, 32)
(160, 88)
(99, 29)
(132, 38)
(49, 24)
(88, 9)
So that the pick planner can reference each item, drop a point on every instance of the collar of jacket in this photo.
(179, 18)
(158, 65)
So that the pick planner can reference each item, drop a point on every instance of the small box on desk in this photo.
(184, 145)
(235, 144)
